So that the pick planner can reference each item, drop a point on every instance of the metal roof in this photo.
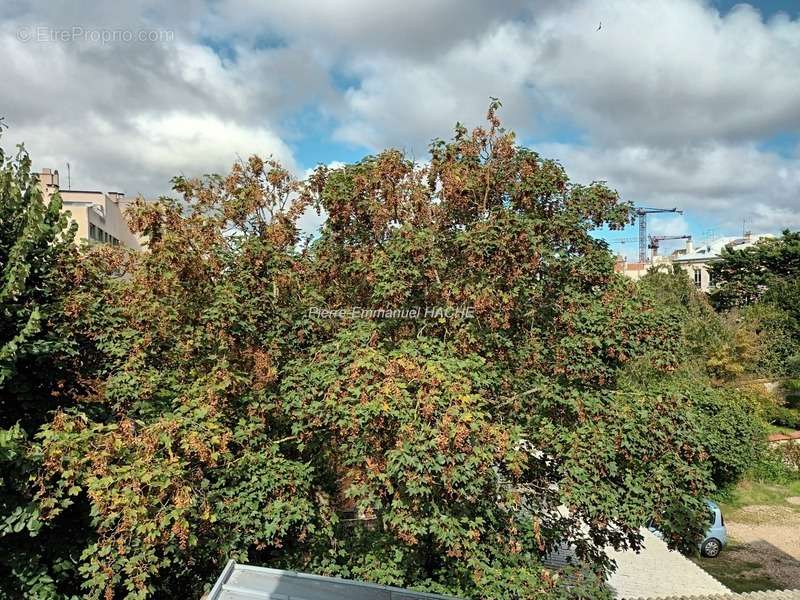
(244, 582)
(712, 250)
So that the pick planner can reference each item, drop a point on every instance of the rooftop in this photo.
(714, 248)
(243, 582)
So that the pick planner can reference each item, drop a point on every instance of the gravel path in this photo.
(657, 572)
(770, 536)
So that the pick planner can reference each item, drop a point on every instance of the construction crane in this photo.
(642, 212)
(623, 240)
(655, 240)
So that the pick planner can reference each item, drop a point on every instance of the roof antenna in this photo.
(69, 178)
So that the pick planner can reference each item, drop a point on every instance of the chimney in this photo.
(689, 245)
(619, 264)
(48, 178)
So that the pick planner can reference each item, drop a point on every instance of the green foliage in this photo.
(35, 240)
(213, 413)
(702, 331)
(745, 276)
(36, 251)
(757, 340)
(736, 355)
(784, 416)
(732, 432)
(772, 468)
(186, 466)
(711, 345)
(762, 282)
(775, 333)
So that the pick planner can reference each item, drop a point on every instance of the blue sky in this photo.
(317, 146)
(767, 7)
(703, 229)
(686, 103)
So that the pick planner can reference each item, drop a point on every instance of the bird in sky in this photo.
(599, 27)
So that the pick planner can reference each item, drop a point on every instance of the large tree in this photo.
(249, 394)
(760, 287)
(746, 276)
(36, 242)
(36, 350)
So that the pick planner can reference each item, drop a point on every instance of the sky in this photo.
(692, 104)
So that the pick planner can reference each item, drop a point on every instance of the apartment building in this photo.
(100, 215)
(637, 270)
(697, 261)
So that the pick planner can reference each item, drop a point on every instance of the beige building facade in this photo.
(100, 215)
(697, 261)
(637, 270)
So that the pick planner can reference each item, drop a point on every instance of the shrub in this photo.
(790, 453)
(775, 466)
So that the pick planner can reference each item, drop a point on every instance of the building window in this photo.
(99, 235)
(698, 277)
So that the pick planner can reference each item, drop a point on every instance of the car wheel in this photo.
(711, 548)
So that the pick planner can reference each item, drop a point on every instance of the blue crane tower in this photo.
(641, 212)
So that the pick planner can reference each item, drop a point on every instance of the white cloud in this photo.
(668, 224)
(668, 72)
(310, 222)
(656, 73)
(132, 115)
(203, 141)
(343, 29)
(142, 155)
(721, 184)
(405, 103)
(671, 102)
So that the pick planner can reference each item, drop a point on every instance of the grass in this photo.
(771, 428)
(742, 567)
(749, 493)
(736, 573)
